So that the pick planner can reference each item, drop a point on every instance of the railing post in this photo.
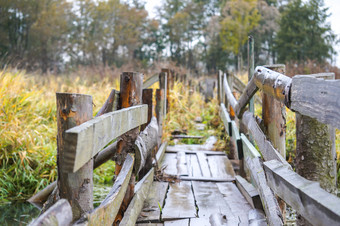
(167, 87)
(147, 99)
(251, 64)
(131, 84)
(315, 152)
(77, 188)
(274, 119)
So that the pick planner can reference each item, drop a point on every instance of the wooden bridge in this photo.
(190, 184)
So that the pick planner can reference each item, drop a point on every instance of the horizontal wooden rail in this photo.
(227, 90)
(315, 204)
(247, 94)
(150, 81)
(225, 119)
(86, 140)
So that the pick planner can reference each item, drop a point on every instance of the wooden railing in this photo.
(311, 96)
(85, 143)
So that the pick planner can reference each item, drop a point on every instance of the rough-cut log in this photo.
(105, 154)
(109, 103)
(245, 98)
(273, 83)
(270, 205)
(231, 99)
(142, 189)
(146, 141)
(316, 98)
(58, 214)
(147, 99)
(77, 188)
(249, 192)
(150, 81)
(85, 141)
(225, 119)
(306, 197)
(265, 146)
(106, 212)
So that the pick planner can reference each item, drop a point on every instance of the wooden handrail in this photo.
(150, 81)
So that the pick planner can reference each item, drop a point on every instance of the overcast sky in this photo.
(334, 19)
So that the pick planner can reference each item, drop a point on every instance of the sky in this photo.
(334, 19)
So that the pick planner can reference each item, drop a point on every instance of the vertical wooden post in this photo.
(131, 84)
(147, 99)
(77, 188)
(315, 153)
(167, 85)
(274, 120)
(251, 64)
(159, 113)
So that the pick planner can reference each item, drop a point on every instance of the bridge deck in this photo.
(196, 187)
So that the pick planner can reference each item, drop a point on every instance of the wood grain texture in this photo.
(150, 81)
(194, 168)
(270, 205)
(306, 197)
(161, 152)
(245, 98)
(203, 163)
(175, 149)
(249, 192)
(109, 104)
(151, 210)
(169, 164)
(180, 202)
(141, 192)
(231, 99)
(221, 167)
(106, 212)
(147, 99)
(316, 98)
(182, 168)
(225, 118)
(86, 140)
(58, 214)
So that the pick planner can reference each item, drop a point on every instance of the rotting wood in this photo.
(154, 202)
(180, 202)
(269, 202)
(203, 163)
(267, 150)
(148, 100)
(77, 188)
(306, 197)
(249, 192)
(87, 139)
(109, 104)
(150, 81)
(106, 212)
(58, 214)
(316, 98)
(245, 98)
(182, 168)
(142, 189)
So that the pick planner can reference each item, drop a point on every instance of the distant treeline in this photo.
(202, 35)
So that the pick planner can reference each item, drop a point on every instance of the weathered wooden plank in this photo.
(316, 98)
(207, 179)
(185, 137)
(225, 119)
(182, 169)
(180, 202)
(109, 104)
(161, 152)
(248, 149)
(270, 205)
(306, 197)
(150, 224)
(221, 167)
(106, 212)
(245, 98)
(231, 99)
(210, 201)
(151, 211)
(257, 218)
(238, 204)
(235, 136)
(193, 166)
(86, 140)
(150, 81)
(175, 149)
(203, 163)
(141, 192)
(249, 192)
(267, 149)
(169, 164)
(184, 222)
(58, 214)
(200, 222)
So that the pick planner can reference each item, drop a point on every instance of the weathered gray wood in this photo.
(161, 152)
(175, 149)
(306, 197)
(193, 166)
(40, 198)
(145, 143)
(184, 222)
(249, 192)
(141, 192)
(238, 204)
(58, 214)
(231, 99)
(270, 205)
(150, 81)
(169, 164)
(245, 98)
(207, 179)
(265, 146)
(150, 224)
(109, 104)
(185, 137)
(179, 202)
(210, 201)
(147, 98)
(151, 210)
(106, 212)
(159, 109)
(182, 169)
(225, 118)
(236, 139)
(256, 218)
(248, 149)
(316, 98)
(200, 222)
(221, 167)
(86, 140)
(273, 83)
(203, 163)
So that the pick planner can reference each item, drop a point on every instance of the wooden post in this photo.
(147, 99)
(251, 63)
(77, 188)
(159, 113)
(315, 153)
(131, 84)
(167, 85)
(274, 120)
